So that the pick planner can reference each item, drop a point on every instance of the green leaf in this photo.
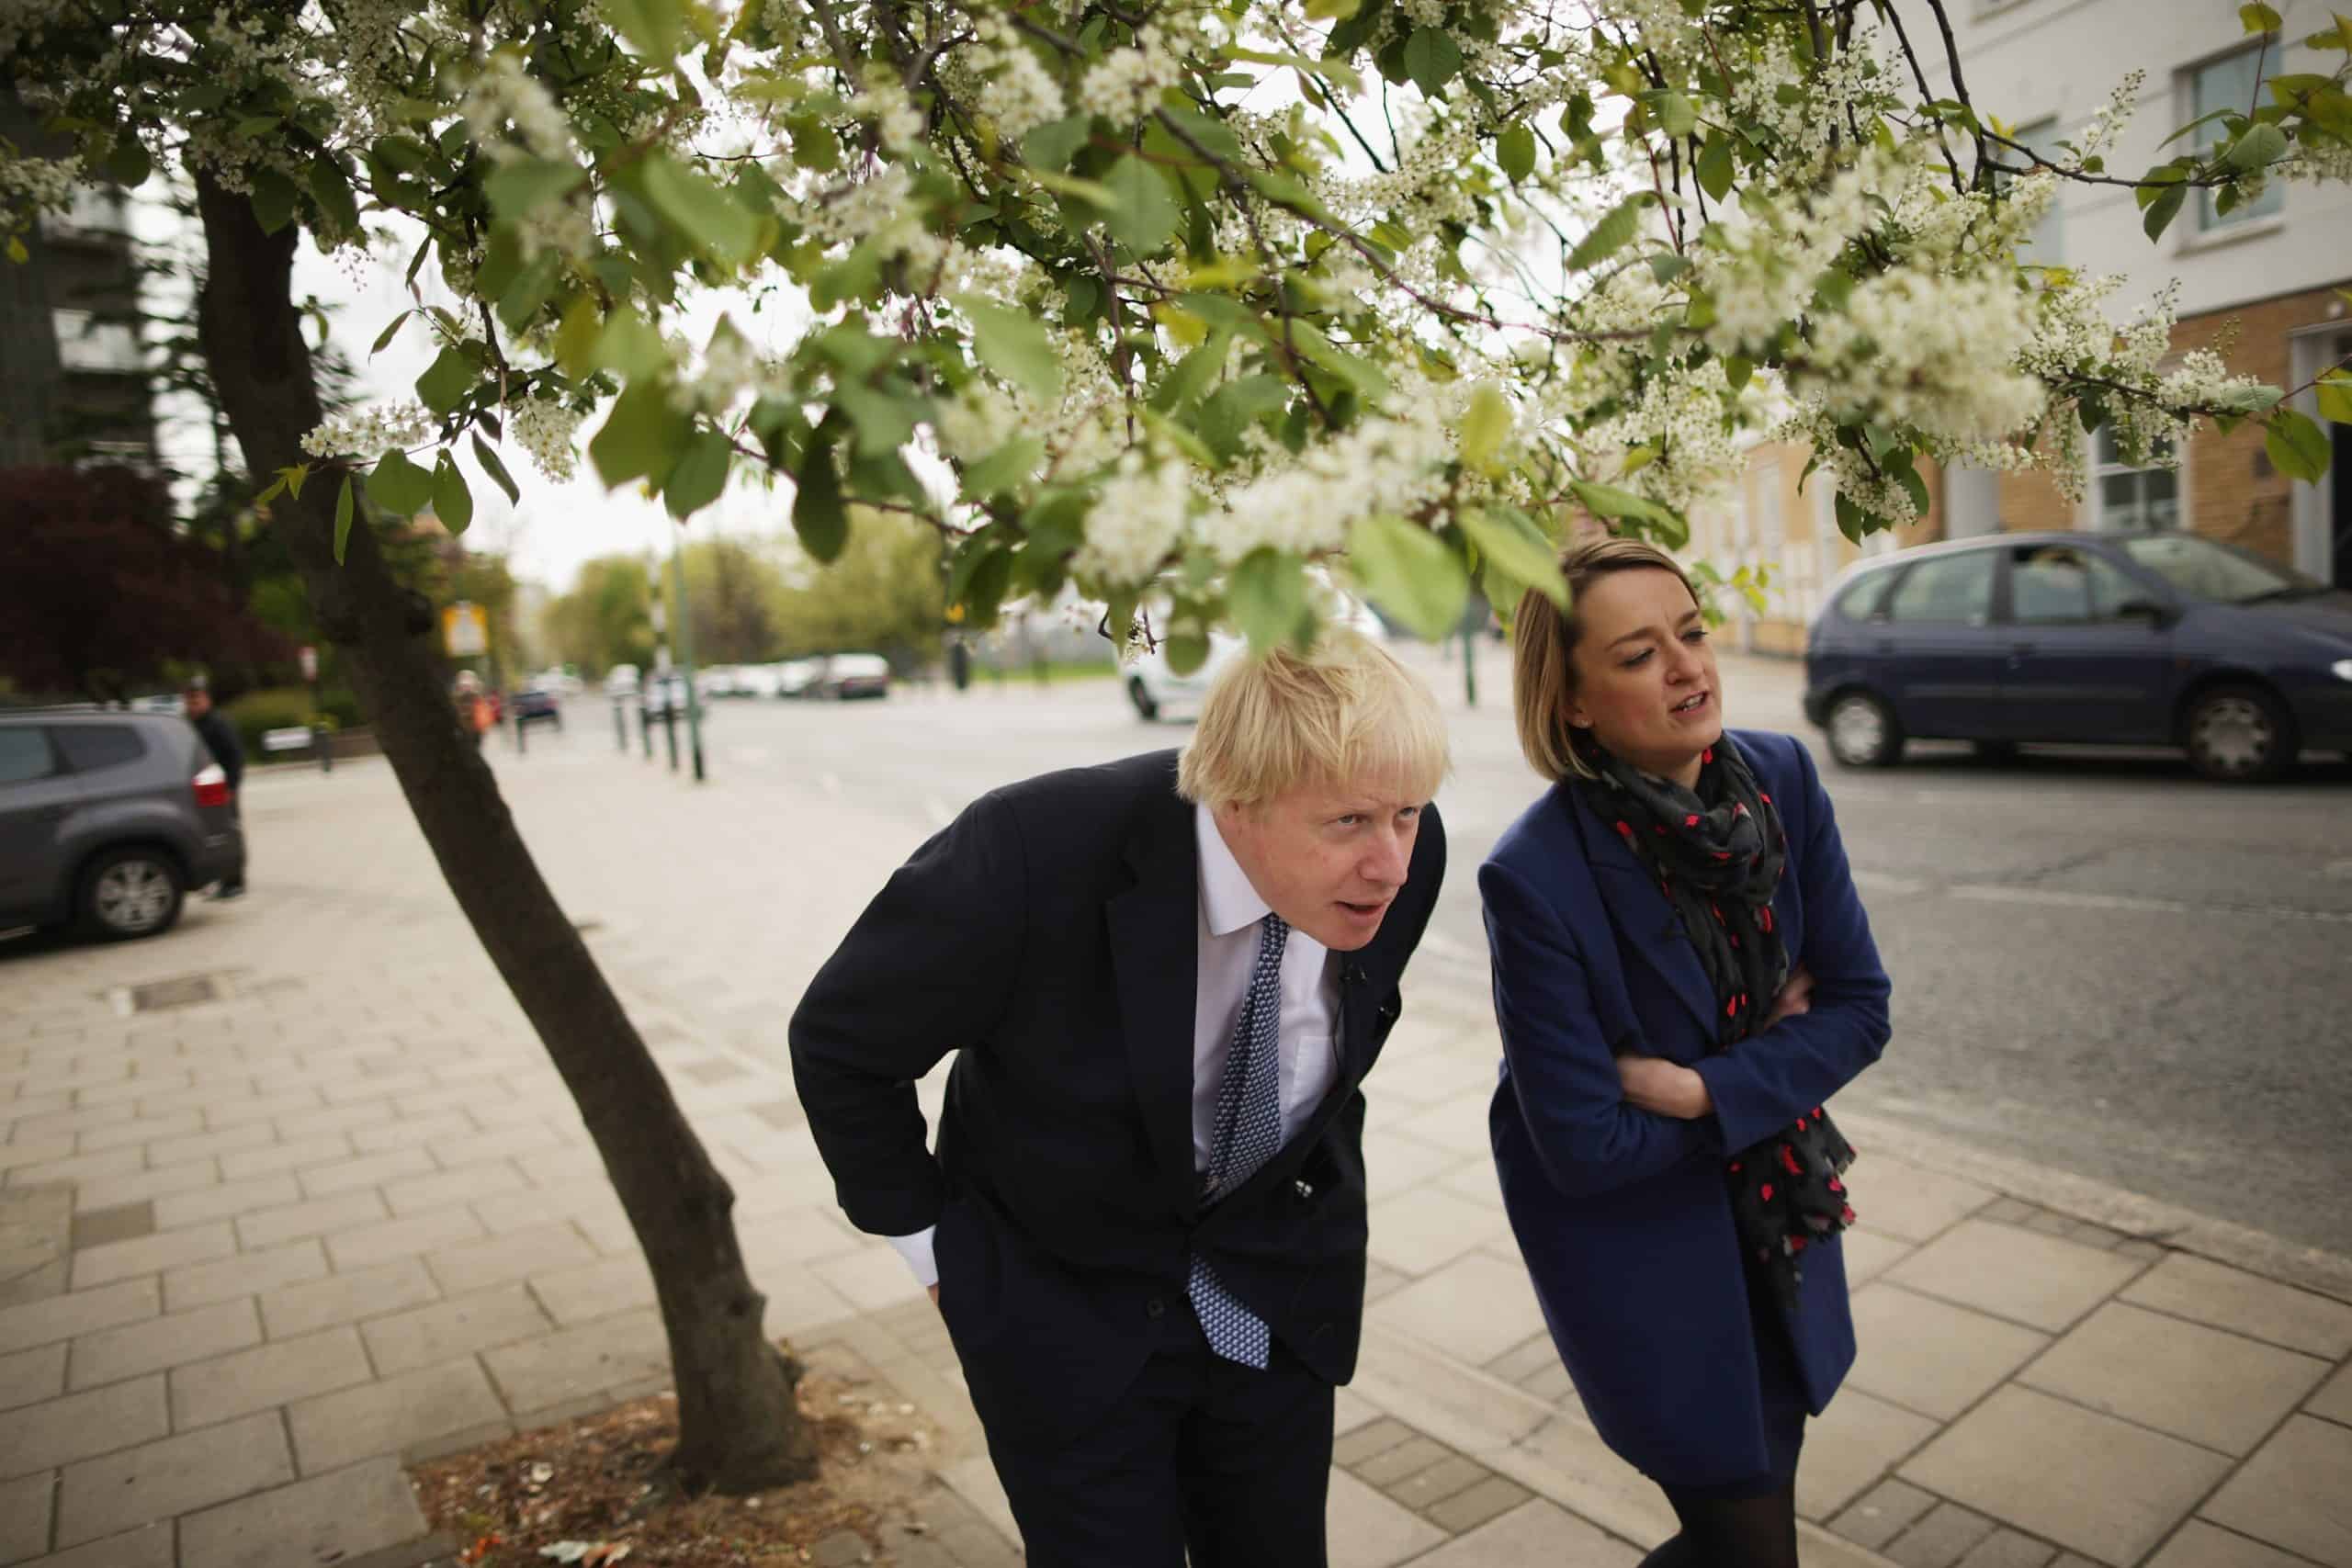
(332, 187)
(1665, 266)
(1332, 10)
(1052, 146)
(1607, 501)
(1675, 114)
(2262, 145)
(487, 456)
(391, 328)
(1361, 374)
(719, 225)
(884, 421)
(1511, 542)
(446, 383)
(1515, 153)
(399, 486)
(1738, 368)
(1148, 213)
(2298, 448)
(818, 515)
(1408, 572)
(1013, 343)
(1716, 170)
(1237, 405)
(654, 27)
(1005, 468)
(1431, 59)
(1193, 374)
(521, 187)
(2163, 209)
(2335, 393)
(1485, 425)
(127, 163)
(1187, 652)
(700, 475)
(342, 518)
(2258, 18)
(273, 200)
(453, 504)
(640, 437)
(1610, 235)
(1267, 593)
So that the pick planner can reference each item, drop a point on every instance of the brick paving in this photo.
(257, 1249)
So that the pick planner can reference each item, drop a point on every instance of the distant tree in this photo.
(885, 593)
(603, 620)
(98, 593)
(732, 587)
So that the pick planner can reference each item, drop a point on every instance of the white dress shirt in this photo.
(1227, 933)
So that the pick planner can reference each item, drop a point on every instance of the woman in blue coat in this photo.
(1683, 976)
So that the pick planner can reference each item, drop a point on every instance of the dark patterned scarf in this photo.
(1718, 852)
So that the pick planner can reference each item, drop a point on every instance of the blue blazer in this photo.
(1623, 1215)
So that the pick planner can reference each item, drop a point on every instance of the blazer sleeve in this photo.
(1563, 1071)
(1763, 1084)
(928, 968)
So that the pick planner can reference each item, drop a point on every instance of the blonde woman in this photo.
(1683, 976)
(1163, 979)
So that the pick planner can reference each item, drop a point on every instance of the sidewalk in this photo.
(292, 1194)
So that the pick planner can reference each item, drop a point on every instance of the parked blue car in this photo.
(2140, 640)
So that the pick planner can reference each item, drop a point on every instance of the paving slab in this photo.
(156, 1481)
(2295, 1493)
(368, 1507)
(158, 1343)
(267, 1375)
(1910, 1204)
(1367, 1530)
(121, 1415)
(2021, 1275)
(2334, 1402)
(393, 1415)
(1427, 1227)
(548, 1369)
(2200, 1545)
(2089, 1481)
(1536, 1534)
(1930, 1356)
(27, 1376)
(2217, 1389)
(246, 1274)
(1849, 1445)
(148, 1255)
(470, 1266)
(1477, 1307)
(24, 1516)
(2222, 1297)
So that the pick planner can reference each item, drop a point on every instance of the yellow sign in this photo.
(465, 630)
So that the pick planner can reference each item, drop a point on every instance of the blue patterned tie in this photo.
(1248, 1131)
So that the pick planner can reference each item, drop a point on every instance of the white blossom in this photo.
(546, 431)
(368, 432)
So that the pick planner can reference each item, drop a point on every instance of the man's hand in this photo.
(1655, 1083)
(934, 1295)
(1796, 997)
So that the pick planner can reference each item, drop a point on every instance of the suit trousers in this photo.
(1201, 1458)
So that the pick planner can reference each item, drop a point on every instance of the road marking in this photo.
(2060, 899)
(1888, 881)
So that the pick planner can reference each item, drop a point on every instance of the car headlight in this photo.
(2343, 668)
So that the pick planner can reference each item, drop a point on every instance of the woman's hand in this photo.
(1655, 1083)
(1796, 997)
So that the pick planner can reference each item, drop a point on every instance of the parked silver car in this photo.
(108, 820)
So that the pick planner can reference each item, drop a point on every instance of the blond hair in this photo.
(1342, 713)
(1544, 640)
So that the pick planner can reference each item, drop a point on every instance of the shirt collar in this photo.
(1228, 903)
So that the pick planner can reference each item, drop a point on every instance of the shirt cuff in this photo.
(916, 1250)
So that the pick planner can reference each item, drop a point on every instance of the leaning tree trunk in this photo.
(739, 1426)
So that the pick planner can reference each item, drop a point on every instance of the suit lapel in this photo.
(1155, 954)
(1638, 909)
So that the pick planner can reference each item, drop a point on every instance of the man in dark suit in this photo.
(220, 739)
(1145, 1222)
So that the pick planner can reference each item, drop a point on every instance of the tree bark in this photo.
(739, 1426)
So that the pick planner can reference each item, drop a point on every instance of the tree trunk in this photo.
(739, 1426)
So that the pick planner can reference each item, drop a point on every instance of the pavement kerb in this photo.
(2079, 1197)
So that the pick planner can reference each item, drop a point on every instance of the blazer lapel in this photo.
(1638, 909)
(1155, 954)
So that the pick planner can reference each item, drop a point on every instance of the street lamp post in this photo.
(686, 653)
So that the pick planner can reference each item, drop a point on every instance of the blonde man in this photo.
(1164, 978)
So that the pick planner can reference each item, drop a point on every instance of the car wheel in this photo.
(1863, 732)
(1146, 709)
(130, 892)
(2239, 735)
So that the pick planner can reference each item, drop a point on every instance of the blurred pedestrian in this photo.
(1164, 978)
(1682, 975)
(219, 738)
(475, 713)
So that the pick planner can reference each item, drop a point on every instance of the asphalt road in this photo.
(2101, 964)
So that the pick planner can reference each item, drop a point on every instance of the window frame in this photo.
(1989, 553)
(40, 732)
(2268, 55)
(2101, 469)
(2094, 559)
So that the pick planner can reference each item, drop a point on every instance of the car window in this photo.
(24, 754)
(89, 746)
(1954, 588)
(2203, 568)
(1861, 598)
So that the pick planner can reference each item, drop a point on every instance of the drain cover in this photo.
(157, 995)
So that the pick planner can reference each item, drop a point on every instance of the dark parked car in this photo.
(106, 819)
(537, 705)
(2143, 639)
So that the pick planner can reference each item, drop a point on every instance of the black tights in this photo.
(1730, 1532)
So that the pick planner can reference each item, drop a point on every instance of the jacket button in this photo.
(1155, 1308)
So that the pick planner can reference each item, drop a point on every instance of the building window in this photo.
(2134, 499)
(2230, 83)
(84, 342)
(2046, 245)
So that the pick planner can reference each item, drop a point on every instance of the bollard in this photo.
(645, 727)
(324, 741)
(620, 725)
(670, 730)
(522, 735)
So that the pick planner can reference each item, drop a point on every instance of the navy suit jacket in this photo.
(1623, 1215)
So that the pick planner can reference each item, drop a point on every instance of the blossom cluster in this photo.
(548, 432)
(368, 431)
